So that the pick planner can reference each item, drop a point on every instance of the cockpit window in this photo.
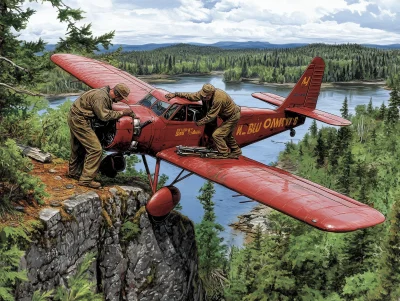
(160, 107)
(194, 113)
(180, 115)
(171, 111)
(148, 101)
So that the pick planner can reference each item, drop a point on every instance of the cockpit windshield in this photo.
(148, 101)
(159, 107)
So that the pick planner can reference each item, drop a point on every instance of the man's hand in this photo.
(198, 123)
(169, 96)
(128, 112)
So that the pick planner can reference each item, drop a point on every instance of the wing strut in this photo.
(178, 179)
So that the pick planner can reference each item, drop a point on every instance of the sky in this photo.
(138, 22)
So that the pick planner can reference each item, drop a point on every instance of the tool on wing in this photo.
(199, 151)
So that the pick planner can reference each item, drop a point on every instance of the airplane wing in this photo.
(304, 200)
(96, 74)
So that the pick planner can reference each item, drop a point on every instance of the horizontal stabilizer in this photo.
(269, 97)
(320, 115)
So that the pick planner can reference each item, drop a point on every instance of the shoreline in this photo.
(164, 78)
(155, 78)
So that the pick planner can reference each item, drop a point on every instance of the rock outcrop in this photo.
(248, 222)
(136, 258)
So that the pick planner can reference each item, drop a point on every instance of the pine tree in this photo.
(392, 116)
(320, 150)
(370, 108)
(345, 109)
(389, 278)
(313, 129)
(345, 174)
(212, 261)
(382, 112)
(22, 72)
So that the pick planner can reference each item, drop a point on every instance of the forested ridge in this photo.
(345, 62)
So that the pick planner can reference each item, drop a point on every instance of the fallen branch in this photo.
(12, 63)
(22, 91)
(35, 153)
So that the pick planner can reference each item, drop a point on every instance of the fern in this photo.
(80, 287)
(38, 296)
(129, 231)
(10, 256)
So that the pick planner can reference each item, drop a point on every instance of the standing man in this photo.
(86, 150)
(219, 104)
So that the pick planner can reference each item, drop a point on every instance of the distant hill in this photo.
(223, 45)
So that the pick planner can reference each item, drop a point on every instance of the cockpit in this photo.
(174, 111)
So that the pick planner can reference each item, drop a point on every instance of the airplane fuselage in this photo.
(173, 123)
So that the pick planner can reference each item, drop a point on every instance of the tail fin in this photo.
(305, 92)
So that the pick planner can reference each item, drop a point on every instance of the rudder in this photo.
(305, 92)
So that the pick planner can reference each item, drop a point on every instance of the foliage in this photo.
(80, 288)
(345, 62)
(55, 136)
(129, 230)
(14, 172)
(295, 262)
(39, 296)
(211, 250)
(10, 256)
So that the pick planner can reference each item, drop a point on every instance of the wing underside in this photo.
(96, 74)
(304, 200)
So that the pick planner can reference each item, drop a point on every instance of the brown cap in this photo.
(122, 90)
(207, 90)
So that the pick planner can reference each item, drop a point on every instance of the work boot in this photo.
(236, 152)
(217, 156)
(92, 184)
(75, 177)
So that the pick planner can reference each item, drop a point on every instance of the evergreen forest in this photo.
(292, 261)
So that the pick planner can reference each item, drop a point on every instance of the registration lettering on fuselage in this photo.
(187, 131)
(269, 123)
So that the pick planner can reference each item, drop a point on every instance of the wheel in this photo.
(292, 132)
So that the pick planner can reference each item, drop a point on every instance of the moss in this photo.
(105, 200)
(129, 231)
(124, 196)
(107, 218)
(66, 217)
(149, 279)
(136, 218)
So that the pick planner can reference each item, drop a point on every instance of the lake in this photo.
(227, 208)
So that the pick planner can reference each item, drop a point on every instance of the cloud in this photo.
(209, 21)
(373, 16)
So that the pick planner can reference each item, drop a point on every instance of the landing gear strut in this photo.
(165, 199)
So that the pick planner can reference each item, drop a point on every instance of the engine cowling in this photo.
(163, 201)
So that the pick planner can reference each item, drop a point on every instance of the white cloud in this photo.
(206, 21)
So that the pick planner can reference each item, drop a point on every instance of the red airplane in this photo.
(160, 126)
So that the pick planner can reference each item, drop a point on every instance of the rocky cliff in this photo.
(136, 258)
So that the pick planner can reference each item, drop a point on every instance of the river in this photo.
(227, 208)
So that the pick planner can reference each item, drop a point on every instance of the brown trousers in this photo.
(223, 136)
(86, 150)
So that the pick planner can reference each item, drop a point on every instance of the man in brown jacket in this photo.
(219, 104)
(86, 150)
